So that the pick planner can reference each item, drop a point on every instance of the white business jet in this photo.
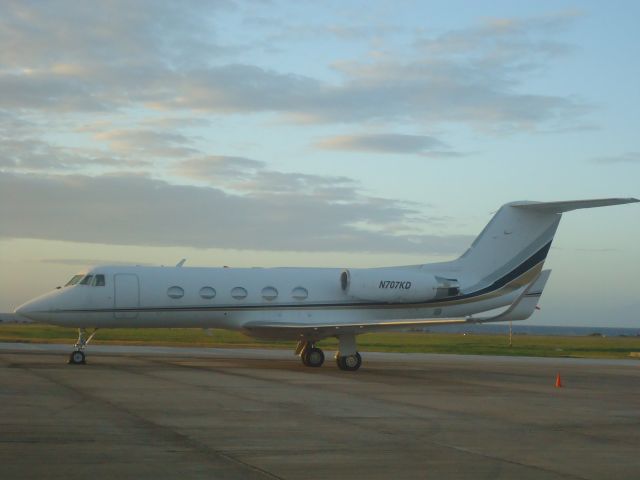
(501, 269)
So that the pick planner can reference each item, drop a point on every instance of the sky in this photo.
(342, 134)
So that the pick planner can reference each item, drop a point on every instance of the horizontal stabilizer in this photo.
(567, 206)
(524, 305)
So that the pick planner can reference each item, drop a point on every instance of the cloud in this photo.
(47, 91)
(86, 262)
(240, 88)
(244, 175)
(427, 91)
(23, 146)
(504, 40)
(386, 143)
(65, 32)
(60, 57)
(32, 154)
(138, 210)
(470, 76)
(628, 157)
(218, 168)
(67, 57)
(154, 143)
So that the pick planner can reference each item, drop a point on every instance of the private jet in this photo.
(502, 272)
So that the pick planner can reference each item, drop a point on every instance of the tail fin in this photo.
(517, 239)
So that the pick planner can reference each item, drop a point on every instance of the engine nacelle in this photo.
(396, 285)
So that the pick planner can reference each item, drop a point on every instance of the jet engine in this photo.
(396, 285)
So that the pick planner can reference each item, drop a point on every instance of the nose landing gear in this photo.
(77, 357)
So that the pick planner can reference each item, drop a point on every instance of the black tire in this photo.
(77, 358)
(304, 358)
(314, 357)
(349, 363)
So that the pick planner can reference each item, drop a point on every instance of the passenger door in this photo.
(126, 295)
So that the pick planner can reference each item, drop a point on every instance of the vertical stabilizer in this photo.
(517, 238)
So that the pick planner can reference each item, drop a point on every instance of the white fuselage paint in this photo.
(116, 305)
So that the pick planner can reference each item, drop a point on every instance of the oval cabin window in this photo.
(239, 293)
(175, 292)
(269, 293)
(207, 292)
(299, 293)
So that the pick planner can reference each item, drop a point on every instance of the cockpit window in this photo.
(86, 280)
(75, 279)
(98, 281)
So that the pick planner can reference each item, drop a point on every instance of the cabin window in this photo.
(299, 293)
(98, 281)
(175, 292)
(239, 293)
(269, 293)
(86, 280)
(207, 292)
(75, 279)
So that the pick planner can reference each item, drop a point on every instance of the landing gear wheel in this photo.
(304, 358)
(77, 358)
(349, 363)
(313, 357)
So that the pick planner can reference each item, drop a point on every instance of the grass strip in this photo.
(414, 342)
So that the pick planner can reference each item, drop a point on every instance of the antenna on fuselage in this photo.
(181, 262)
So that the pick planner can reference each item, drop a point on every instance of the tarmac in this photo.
(159, 412)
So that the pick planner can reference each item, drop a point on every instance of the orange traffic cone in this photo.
(558, 381)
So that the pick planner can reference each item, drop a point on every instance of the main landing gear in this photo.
(349, 363)
(77, 357)
(347, 358)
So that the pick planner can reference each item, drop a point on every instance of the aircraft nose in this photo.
(33, 309)
(21, 309)
(24, 310)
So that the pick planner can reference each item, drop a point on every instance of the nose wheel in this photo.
(78, 357)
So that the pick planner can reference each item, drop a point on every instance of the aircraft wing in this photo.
(522, 308)
(318, 331)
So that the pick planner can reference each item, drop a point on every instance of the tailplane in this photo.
(524, 305)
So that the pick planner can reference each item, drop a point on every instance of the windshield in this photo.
(75, 279)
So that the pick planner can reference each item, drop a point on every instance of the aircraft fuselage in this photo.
(229, 298)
